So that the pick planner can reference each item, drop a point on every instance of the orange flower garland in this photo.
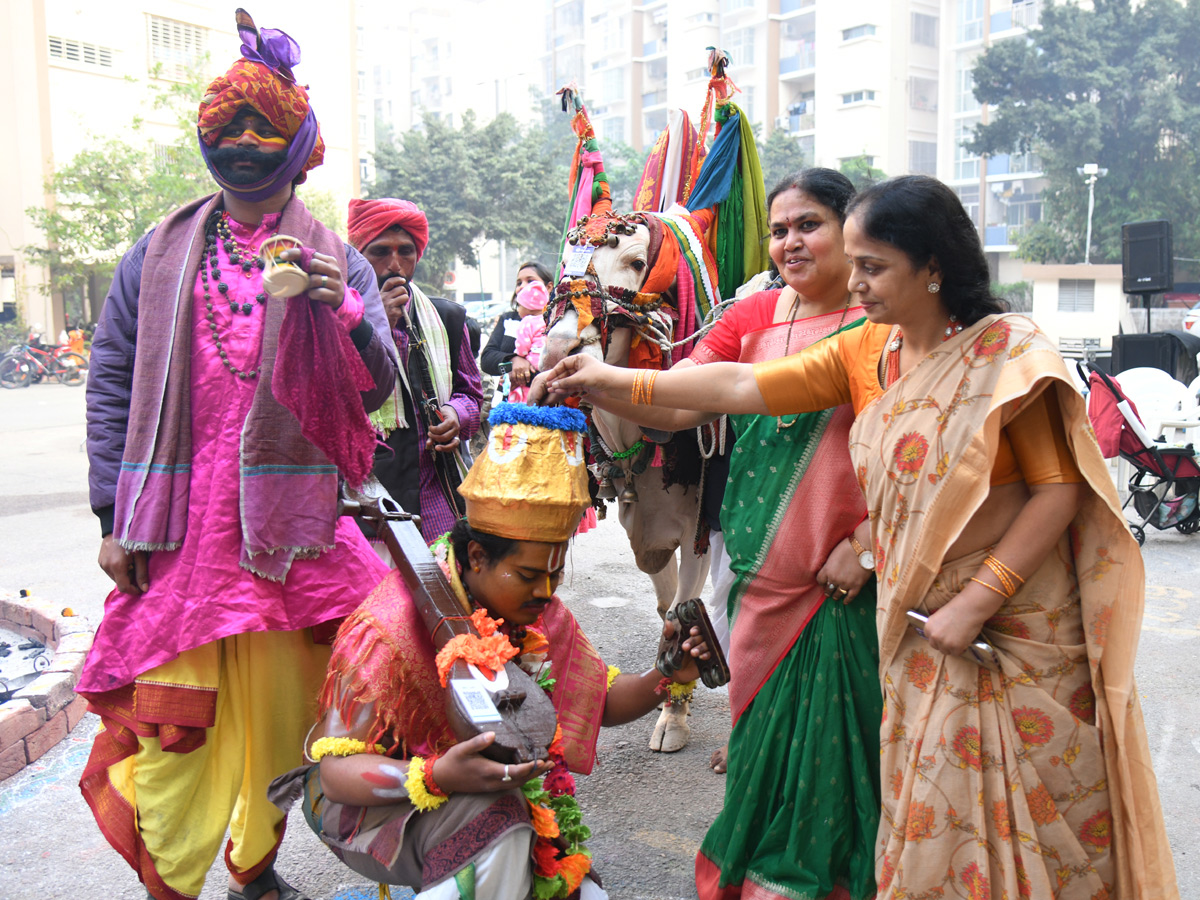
(489, 650)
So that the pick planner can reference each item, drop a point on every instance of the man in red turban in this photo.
(434, 409)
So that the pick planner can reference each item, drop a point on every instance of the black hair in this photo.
(495, 548)
(828, 187)
(542, 273)
(925, 220)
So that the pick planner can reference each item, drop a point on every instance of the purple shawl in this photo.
(288, 485)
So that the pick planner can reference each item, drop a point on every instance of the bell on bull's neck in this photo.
(629, 495)
(607, 491)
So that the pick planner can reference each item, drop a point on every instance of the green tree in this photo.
(1117, 85)
(859, 170)
(780, 156)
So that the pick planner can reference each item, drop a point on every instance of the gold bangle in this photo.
(636, 392)
(418, 793)
(340, 746)
(991, 587)
(650, 388)
(1011, 574)
(1007, 578)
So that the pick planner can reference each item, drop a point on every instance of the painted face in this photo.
(806, 243)
(249, 148)
(392, 253)
(518, 587)
(883, 280)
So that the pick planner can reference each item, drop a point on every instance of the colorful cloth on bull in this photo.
(589, 188)
(671, 167)
(680, 257)
(804, 691)
(1035, 780)
(263, 80)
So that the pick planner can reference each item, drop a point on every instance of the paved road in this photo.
(649, 811)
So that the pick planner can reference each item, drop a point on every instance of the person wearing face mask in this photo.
(501, 346)
(220, 419)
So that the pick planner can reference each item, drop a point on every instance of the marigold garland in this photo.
(613, 672)
(340, 746)
(488, 653)
(414, 783)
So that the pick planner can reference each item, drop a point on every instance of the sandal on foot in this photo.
(266, 882)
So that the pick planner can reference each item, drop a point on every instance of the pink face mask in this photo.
(533, 296)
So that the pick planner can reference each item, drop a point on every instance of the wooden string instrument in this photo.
(513, 705)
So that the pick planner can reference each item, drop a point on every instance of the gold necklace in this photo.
(781, 425)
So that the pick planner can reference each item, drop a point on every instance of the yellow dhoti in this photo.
(188, 750)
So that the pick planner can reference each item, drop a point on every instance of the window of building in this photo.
(746, 102)
(176, 46)
(364, 171)
(79, 52)
(923, 93)
(740, 44)
(857, 97)
(706, 18)
(969, 197)
(970, 20)
(613, 129)
(364, 130)
(924, 29)
(362, 84)
(734, 5)
(966, 163)
(922, 157)
(858, 31)
(1076, 295)
(964, 87)
(613, 87)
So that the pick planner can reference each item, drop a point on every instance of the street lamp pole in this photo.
(1091, 172)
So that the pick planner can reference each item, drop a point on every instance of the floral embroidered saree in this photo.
(1033, 781)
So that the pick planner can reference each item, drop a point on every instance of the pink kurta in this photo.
(199, 593)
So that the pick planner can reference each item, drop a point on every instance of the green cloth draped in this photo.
(802, 791)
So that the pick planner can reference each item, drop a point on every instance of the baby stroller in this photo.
(1163, 488)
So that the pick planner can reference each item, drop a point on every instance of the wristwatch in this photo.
(866, 558)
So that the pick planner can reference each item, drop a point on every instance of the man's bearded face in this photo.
(249, 149)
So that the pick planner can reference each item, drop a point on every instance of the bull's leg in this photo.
(671, 731)
(666, 585)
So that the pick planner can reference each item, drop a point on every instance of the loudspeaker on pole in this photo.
(1147, 261)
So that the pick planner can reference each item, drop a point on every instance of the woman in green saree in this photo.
(804, 693)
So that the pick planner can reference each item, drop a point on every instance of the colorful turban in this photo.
(263, 79)
(370, 218)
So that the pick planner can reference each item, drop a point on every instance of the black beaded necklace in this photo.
(218, 227)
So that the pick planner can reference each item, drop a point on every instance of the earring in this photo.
(934, 287)
(475, 568)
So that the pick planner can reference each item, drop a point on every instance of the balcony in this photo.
(1005, 164)
(654, 98)
(798, 123)
(790, 7)
(1022, 15)
(796, 59)
(654, 48)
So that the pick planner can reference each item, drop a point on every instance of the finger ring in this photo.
(842, 593)
(830, 588)
(324, 280)
(506, 777)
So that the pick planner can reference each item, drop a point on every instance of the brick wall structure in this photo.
(44, 711)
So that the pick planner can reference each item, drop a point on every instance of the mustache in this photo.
(224, 159)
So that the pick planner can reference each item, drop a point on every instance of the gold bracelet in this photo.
(418, 793)
(1011, 574)
(340, 746)
(650, 388)
(1001, 572)
(636, 392)
(991, 587)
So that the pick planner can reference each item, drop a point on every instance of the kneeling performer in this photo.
(395, 794)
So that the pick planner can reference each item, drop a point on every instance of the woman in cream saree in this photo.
(991, 510)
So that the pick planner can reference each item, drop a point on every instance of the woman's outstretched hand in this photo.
(574, 375)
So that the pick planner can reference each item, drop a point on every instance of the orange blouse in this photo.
(845, 368)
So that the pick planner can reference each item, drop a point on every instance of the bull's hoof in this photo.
(671, 731)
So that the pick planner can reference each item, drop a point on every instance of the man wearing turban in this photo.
(219, 422)
(434, 409)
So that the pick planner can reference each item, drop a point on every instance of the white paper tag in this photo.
(475, 700)
(578, 259)
(511, 327)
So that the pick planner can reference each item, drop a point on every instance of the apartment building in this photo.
(74, 73)
(888, 82)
